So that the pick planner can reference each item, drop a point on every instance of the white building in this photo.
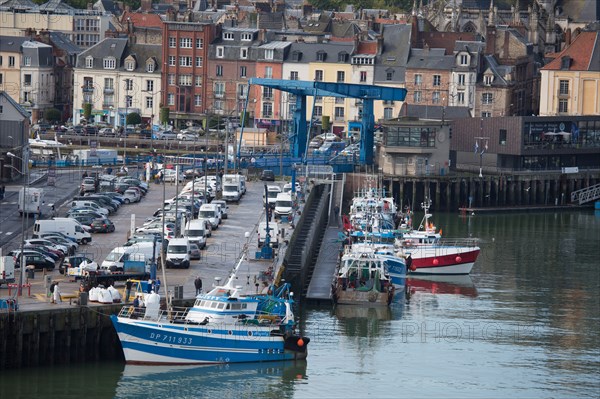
(118, 77)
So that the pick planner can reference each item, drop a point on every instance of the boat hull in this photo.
(356, 297)
(443, 260)
(162, 342)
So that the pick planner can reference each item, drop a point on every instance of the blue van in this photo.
(330, 148)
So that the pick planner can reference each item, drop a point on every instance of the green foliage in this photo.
(325, 123)
(87, 111)
(52, 115)
(338, 5)
(164, 115)
(134, 119)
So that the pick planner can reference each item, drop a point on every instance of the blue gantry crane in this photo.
(301, 89)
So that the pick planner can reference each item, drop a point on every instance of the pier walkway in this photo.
(319, 289)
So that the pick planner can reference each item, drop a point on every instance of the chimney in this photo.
(490, 39)
(379, 44)
(146, 5)
(568, 37)
(506, 44)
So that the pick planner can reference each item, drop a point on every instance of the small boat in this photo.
(362, 279)
(427, 253)
(223, 326)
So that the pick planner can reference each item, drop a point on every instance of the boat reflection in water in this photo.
(455, 285)
(234, 380)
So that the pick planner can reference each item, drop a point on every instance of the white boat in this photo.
(223, 326)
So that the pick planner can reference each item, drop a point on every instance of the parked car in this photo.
(47, 243)
(315, 142)
(33, 250)
(88, 185)
(187, 136)
(106, 131)
(41, 127)
(195, 253)
(267, 175)
(75, 261)
(165, 135)
(84, 219)
(130, 195)
(102, 226)
(38, 261)
(84, 211)
(90, 131)
(145, 133)
(72, 246)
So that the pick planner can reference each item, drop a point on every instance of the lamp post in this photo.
(483, 149)
(25, 184)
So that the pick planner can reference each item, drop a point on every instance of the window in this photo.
(563, 87)
(563, 106)
(149, 102)
(128, 101)
(321, 55)
(129, 65)
(1, 60)
(219, 70)
(242, 90)
(109, 84)
(269, 54)
(461, 79)
(268, 93)
(109, 100)
(343, 57)
(171, 79)
(339, 113)
(318, 110)
(172, 60)
(488, 79)
(220, 52)
(418, 79)
(198, 81)
(318, 99)
(185, 42)
(199, 62)
(185, 61)
(228, 36)
(244, 53)
(417, 95)
(27, 80)
(89, 62)
(502, 137)
(242, 72)
(460, 97)
(219, 89)
(197, 100)
(319, 75)
(267, 110)
(172, 42)
(486, 114)
(437, 80)
(128, 84)
(1, 79)
(149, 85)
(363, 76)
(185, 80)
(296, 55)
(199, 43)
(171, 99)
(27, 61)
(486, 98)
(341, 76)
(246, 37)
(388, 113)
(269, 72)
(294, 75)
(464, 59)
(389, 75)
(150, 66)
(435, 97)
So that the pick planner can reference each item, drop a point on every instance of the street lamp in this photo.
(25, 183)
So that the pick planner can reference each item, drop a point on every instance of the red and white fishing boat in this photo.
(427, 253)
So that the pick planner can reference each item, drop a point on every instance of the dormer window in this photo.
(246, 37)
(463, 59)
(321, 55)
(150, 65)
(296, 55)
(220, 52)
(488, 79)
(228, 36)
(129, 65)
(110, 63)
(89, 62)
(565, 63)
(269, 54)
(343, 57)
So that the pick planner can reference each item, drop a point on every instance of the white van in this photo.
(284, 205)
(196, 231)
(232, 188)
(272, 192)
(90, 204)
(67, 226)
(210, 212)
(34, 198)
(273, 233)
(178, 253)
(224, 208)
(141, 251)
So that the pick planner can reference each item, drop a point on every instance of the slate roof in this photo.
(17, 4)
(18, 107)
(584, 52)
(498, 70)
(63, 42)
(309, 51)
(395, 52)
(434, 58)
(55, 6)
(108, 47)
(12, 44)
(119, 48)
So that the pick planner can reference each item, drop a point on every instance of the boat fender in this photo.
(458, 259)
(436, 262)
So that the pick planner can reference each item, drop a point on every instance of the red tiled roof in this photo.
(580, 51)
(141, 20)
(367, 48)
(389, 21)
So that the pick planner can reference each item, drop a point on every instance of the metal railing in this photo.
(587, 194)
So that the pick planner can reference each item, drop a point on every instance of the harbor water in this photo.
(525, 324)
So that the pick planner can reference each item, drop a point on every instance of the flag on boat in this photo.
(476, 147)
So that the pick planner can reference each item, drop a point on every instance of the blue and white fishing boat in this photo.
(223, 326)
(393, 261)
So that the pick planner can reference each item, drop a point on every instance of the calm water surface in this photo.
(525, 324)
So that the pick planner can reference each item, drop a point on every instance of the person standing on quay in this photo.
(198, 285)
(56, 298)
(128, 285)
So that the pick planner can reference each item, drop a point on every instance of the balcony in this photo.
(87, 89)
(561, 93)
(267, 96)
(109, 90)
(219, 94)
(108, 105)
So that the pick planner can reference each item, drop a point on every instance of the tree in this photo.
(164, 115)
(87, 111)
(325, 123)
(134, 119)
(52, 115)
